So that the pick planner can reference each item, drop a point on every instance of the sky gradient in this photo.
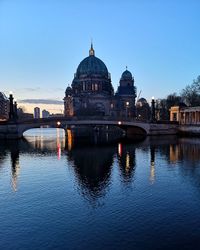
(42, 43)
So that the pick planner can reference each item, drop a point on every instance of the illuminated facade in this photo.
(91, 92)
(185, 115)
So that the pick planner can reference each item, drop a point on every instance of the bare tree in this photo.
(163, 106)
(191, 93)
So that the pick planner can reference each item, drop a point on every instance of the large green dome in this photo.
(92, 66)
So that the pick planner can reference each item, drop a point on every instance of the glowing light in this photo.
(120, 149)
(119, 122)
(15, 174)
(58, 123)
(69, 139)
(127, 162)
(58, 151)
(152, 172)
(58, 144)
(127, 103)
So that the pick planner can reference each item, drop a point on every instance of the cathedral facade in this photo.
(91, 92)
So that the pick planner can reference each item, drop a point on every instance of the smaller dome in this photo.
(142, 101)
(68, 91)
(126, 75)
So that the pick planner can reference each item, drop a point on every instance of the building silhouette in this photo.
(4, 106)
(91, 92)
(45, 113)
(143, 110)
(36, 112)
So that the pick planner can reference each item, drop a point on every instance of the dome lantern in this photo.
(91, 51)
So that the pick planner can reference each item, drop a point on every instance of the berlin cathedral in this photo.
(92, 94)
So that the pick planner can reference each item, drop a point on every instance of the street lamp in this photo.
(127, 106)
(15, 109)
(153, 111)
(11, 106)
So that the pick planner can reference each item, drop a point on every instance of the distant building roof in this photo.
(3, 96)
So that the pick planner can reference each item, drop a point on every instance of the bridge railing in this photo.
(82, 118)
(79, 118)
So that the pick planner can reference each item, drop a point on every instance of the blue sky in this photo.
(42, 43)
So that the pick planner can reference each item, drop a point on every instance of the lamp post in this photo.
(15, 109)
(11, 106)
(153, 110)
(127, 106)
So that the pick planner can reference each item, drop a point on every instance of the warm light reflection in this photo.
(38, 142)
(69, 139)
(173, 153)
(127, 162)
(120, 149)
(15, 174)
(58, 143)
(152, 172)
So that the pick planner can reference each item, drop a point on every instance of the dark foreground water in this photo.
(56, 195)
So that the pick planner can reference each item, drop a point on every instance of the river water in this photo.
(57, 194)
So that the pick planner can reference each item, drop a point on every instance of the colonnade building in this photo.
(92, 94)
(185, 115)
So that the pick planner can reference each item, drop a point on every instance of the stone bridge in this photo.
(13, 130)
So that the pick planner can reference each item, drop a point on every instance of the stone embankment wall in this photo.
(9, 131)
(163, 129)
(189, 129)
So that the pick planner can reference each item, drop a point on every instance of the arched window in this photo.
(84, 86)
(96, 86)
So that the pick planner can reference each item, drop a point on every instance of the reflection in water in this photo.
(126, 159)
(173, 153)
(92, 164)
(14, 148)
(160, 217)
(15, 167)
(92, 167)
(119, 149)
(58, 143)
(69, 139)
(46, 141)
(152, 166)
(3, 154)
(186, 149)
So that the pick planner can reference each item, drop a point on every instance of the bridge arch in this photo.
(26, 127)
(134, 130)
(131, 127)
